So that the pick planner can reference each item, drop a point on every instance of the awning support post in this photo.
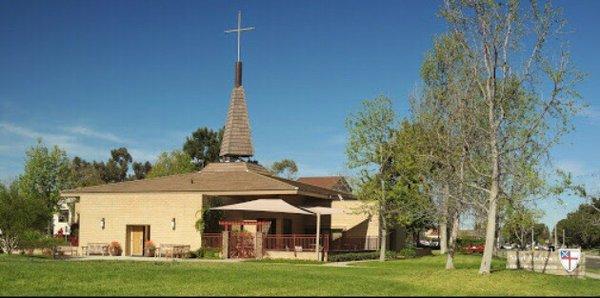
(317, 246)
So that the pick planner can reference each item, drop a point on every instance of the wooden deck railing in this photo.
(303, 242)
(212, 240)
(295, 242)
(355, 243)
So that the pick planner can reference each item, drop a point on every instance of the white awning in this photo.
(265, 205)
(323, 210)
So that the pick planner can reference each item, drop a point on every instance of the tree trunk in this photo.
(443, 236)
(490, 233)
(382, 233)
(452, 241)
(494, 190)
(443, 225)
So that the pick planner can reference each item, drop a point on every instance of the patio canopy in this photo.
(322, 210)
(265, 205)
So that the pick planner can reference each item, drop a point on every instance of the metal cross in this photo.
(239, 31)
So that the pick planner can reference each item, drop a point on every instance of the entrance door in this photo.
(136, 240)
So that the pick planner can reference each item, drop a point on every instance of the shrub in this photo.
(114, 249)
(206, 253)
(408, 252)
(35, 239)
(150, 248)
(468, 240)
(359, 256)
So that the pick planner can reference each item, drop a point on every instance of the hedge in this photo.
(407, 252)
(206, 253)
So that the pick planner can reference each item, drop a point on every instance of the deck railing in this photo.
(212, 240)
(355, 243)
(295, 242)
(303, 242)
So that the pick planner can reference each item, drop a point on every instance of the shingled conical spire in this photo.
(237, 141)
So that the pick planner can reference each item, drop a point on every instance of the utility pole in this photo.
(563, 242)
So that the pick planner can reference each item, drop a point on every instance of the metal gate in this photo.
(241, 245)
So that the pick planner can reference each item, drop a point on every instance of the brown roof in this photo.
(338, 183)
(237, 141)
(215, 177)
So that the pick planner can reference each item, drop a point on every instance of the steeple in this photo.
(237, 140)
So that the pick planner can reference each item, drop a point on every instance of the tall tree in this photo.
(410, 204)
(141, 170)
(84, 173)
(46, 173)
(442, 111)
(119, 163)
(203, 146)
(286, 168)
(520, 121)
(18, 215)
(582, 226)
(368, 151)
(175, 162)
(518, 224)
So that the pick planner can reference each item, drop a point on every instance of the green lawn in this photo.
(425, 276)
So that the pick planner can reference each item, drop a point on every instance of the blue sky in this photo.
(95, 75)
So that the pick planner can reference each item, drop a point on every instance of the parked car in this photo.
(474, 248)
(508, 246)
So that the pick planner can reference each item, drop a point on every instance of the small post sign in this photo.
(561, 262)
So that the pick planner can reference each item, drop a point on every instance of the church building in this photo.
(259, 213)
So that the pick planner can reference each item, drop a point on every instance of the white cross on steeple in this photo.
(239, 31)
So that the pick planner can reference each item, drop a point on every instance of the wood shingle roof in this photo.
(228, 177)
(237, 139)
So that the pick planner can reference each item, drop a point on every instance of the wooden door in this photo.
(136, 236)
(241, 245)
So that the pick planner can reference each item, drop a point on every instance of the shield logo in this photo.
(569, 258)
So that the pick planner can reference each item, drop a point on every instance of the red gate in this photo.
(241, 245)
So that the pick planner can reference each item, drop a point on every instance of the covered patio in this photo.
(278, 228)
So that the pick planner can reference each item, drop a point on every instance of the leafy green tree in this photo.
(443, 111)
(203, 146)
(175, 162)
(368, 151)
(47, 172)
(518, 224)
(286, 168)
(84, 173)
(511, 62)
(410, 205)
(141, 170)
(582, 227)
(19, 215)
(117, 166)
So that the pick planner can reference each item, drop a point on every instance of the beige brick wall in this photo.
(153, 209)
(353, 219)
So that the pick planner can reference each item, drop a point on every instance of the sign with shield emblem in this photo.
(569, 258)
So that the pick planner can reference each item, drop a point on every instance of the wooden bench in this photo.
(172, 250)
(95, 248)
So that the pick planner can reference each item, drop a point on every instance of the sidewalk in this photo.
(151, 259)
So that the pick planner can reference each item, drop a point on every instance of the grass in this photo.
(424, 276)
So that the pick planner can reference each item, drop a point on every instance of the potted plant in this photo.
(149, 249)
(114, 249)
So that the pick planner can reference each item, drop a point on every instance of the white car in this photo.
(508, 246)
